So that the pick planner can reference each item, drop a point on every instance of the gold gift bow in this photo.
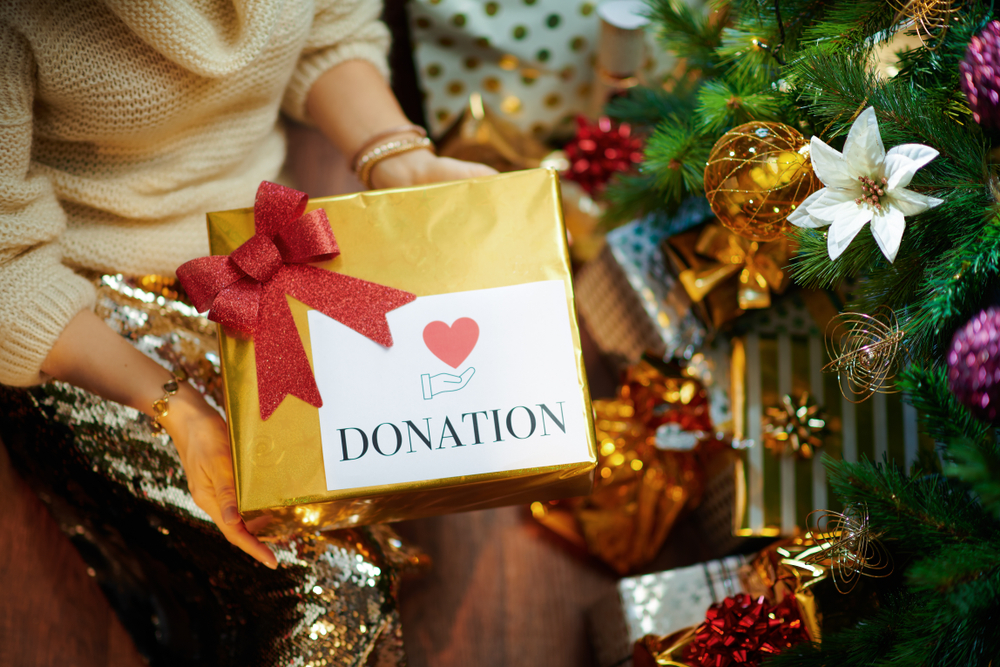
(761, 266)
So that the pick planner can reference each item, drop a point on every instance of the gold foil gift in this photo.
(487, 234)
(642, 487)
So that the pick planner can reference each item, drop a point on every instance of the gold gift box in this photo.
(483, 233)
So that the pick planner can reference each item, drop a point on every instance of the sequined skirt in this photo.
(186, 596)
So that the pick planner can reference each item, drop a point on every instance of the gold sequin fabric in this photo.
(186, 595)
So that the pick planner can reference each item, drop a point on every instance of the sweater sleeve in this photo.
(342, 30)
(38, 294)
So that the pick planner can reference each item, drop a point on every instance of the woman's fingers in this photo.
(225, 494)
(236, 533)
(449, 169)
(239, 536)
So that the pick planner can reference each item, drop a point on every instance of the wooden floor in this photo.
(503, 591)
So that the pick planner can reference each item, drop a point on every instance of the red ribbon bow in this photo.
(246, 291)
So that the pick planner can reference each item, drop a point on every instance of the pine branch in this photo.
(977, 465)
(646, 107)
(917, 514)
(941, 415)
(689, 33)
(630, 197)
(947, 571)
(676, 156)
(722, 105)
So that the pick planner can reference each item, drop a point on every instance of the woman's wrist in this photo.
(403, 170)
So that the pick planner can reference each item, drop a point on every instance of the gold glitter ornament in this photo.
(756, 175)
(795, 426)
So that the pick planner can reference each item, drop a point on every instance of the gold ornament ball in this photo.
(757, 174)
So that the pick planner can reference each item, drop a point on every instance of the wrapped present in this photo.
(654, 450)
(788, 414)
(781, 591)
(628, 298)
(478, 134)
(583, 216)
(533, 62)
(442, 335)
(658, 604)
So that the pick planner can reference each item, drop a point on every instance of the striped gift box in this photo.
(782, 351)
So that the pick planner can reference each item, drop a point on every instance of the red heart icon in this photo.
(452, 344)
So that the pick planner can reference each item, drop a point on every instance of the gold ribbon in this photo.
(653, 651)
(790, 568)
(760, 267)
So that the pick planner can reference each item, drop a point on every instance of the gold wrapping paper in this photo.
(781, 571)
(641, 489)
(480, 135)
(450, 237)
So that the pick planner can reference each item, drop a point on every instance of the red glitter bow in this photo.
(246, 291)
(742, 630)
(600, 151)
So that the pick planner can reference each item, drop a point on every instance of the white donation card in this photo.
(475, 382)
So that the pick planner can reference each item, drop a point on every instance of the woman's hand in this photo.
(421, 167)
(90, 355)
(202, 442)
(351, 103)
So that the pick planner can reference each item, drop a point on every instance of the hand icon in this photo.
(444, 382)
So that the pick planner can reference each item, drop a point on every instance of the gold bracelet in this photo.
(386, 150)
(161, 406)
(382, 136)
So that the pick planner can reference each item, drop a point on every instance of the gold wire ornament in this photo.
(866, 352)
(930, 18)
(756, 175)
(849, 543)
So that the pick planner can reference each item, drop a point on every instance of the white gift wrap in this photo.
(658, 604)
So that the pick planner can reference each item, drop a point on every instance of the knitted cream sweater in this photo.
(122, 122)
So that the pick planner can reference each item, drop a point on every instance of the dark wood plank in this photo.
(502, 591)
(51, 611)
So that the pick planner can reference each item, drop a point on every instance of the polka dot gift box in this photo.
(532, 60)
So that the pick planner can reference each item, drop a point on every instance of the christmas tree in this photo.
(908, 214)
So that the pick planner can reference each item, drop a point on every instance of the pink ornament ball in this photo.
(974, 365)
(980, 75)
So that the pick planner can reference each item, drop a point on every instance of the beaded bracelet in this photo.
(386, 150)
(161, 406)
(382, 136)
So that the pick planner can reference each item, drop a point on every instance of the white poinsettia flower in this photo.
(864, 184)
